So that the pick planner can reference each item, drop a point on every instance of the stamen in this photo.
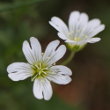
(40, 70)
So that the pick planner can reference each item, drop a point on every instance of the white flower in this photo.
(80, 30)
(41, 67)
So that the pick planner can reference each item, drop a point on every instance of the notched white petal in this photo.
(19, 71)
(93, 23)
(60, 79)
(58, 54)
(73, 18)
(70, 41)
(47, 90)
(32, 51)
(37, 89)
(59, 25)
(60, 75)
(97, 30)
(18, 76)
(62, 36)
(36, 47)
(42, 89)
(83, 17)
(50, 49)
(60, 69)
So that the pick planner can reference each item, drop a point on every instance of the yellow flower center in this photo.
(76, 38)
(40, 70)
(71, 37)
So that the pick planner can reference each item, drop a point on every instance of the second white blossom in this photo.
(80, 31)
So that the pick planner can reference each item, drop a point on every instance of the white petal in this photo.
(93, 23)
(80, 43)
(42, 89)
(93, 28)
(37, 89)
(61, 70)
(60, 75)
(82, 24)
(94, 40)
(52, 53)
(19, 71)
(59, 79)
(59, 25)
(58, 54)
(70, 41)
(83, 19)
(74, 16)
(97, 30)
(47, 90)
(78, 23)
(62, 36)
(32, 52)
(36, 48)
(50, 49)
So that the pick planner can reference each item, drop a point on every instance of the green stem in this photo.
(69, 58)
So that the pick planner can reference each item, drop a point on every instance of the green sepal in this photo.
(75, 48)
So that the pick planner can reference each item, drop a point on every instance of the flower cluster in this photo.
(41, 66)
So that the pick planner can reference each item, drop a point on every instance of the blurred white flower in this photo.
(41, 67)
(80, 30)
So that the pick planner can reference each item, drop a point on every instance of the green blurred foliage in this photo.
(20, 19)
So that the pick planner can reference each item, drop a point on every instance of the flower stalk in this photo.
(67, 61)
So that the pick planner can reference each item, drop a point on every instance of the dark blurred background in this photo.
(90, 87)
